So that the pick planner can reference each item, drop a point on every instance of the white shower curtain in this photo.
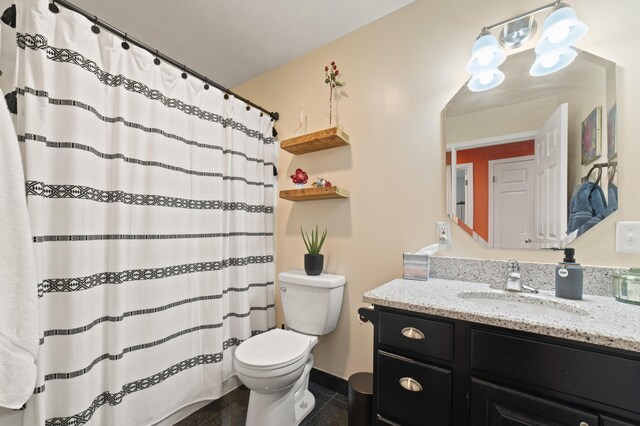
(151, 203)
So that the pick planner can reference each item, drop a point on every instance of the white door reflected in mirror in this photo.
(551, 179)
(511, 220)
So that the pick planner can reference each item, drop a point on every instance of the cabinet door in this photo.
(412, 393)
(590, 375)
(494, 405)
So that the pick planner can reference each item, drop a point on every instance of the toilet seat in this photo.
(276, 349)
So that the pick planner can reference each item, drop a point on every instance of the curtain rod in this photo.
(94, 19)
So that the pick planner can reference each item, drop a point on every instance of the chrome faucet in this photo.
(514, 279)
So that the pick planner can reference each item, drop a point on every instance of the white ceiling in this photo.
(233, 41)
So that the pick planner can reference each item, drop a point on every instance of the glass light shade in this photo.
(560, 30)
(549, 63)
(486, 55)
(485, 80)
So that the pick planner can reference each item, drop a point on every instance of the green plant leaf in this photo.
(312, 240)
(305, 238)
(324, 235)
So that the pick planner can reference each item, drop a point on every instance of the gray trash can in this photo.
(360, 399)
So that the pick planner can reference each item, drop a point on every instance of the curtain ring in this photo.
(184, 73)
(124, 43)
(95, 28)
(53, 7)
(206, 84)
(156, 60)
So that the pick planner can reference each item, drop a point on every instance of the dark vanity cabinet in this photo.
(432, 370)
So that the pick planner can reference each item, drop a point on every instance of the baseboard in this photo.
(329, 381)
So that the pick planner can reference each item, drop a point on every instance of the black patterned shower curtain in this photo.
(151, 203)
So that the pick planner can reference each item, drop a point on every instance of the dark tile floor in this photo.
(231, 409)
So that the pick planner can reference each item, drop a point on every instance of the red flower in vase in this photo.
(330, 76)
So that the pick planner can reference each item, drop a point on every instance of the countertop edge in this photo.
(601, 338)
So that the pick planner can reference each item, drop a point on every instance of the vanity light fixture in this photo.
(561, 29)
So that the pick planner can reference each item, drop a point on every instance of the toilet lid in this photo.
(273, 349)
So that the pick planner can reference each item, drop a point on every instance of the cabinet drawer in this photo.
(427, 401)
(418, 335)
(494, 405)
(614, 381)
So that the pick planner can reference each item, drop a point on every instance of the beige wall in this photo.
(400, 72)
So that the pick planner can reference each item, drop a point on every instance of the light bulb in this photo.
(558, 33)
(548, 63)
(560, 30)
(485, 78)
(484, 57)
(485, 54)
(550, 60)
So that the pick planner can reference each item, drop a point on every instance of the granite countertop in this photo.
(598, 320)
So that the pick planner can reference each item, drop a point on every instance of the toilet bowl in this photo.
(275, 365)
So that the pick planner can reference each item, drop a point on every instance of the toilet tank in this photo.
(311, 304)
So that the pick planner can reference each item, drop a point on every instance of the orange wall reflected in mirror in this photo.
(480, 158)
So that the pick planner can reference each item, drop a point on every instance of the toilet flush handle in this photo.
(283, 289)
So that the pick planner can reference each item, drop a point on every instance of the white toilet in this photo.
(275, 365)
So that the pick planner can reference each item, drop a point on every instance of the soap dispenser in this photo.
(569, 277)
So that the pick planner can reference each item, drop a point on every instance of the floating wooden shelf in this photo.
(316, 141)
(307, 194)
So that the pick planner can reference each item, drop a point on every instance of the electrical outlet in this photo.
(443, 233)
(628, 237)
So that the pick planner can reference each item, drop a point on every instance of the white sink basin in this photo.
(523, 303)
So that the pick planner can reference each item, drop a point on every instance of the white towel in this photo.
(18, 291)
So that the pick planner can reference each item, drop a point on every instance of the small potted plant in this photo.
(313, 260)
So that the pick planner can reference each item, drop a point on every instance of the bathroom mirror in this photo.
(532, 163)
